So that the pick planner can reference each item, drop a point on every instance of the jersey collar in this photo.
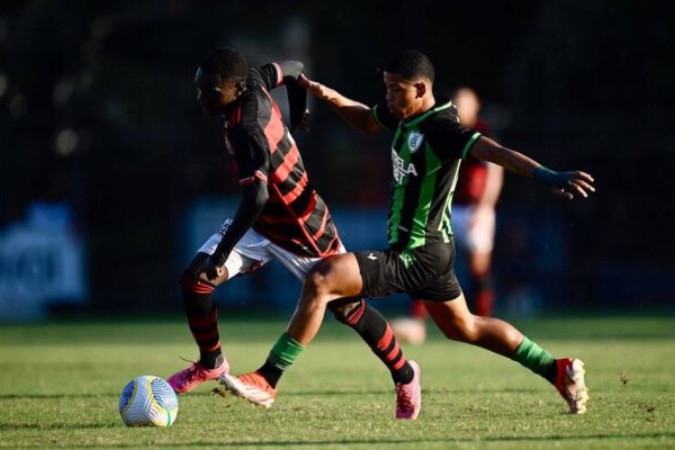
(440, 106)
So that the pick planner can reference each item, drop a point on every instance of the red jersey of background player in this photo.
(472, 175)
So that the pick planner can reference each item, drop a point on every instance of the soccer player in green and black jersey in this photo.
(427, 149)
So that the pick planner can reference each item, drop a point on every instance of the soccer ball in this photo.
(148, 401)
(409, 330)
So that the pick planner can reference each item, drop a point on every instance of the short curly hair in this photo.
(410, 65)
(229, 64)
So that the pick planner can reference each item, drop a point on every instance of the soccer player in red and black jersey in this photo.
(280, 216)
(427, 149)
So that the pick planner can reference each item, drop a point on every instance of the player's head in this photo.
(409, 80)
(220, 79)
(468, 105)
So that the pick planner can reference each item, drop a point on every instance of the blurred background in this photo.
(111, 176)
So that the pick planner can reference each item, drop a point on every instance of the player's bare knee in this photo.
(318, 280)
(463, 329)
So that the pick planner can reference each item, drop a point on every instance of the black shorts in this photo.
(425, 272)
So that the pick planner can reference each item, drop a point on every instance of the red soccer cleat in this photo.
(571, 385)
(250, 386)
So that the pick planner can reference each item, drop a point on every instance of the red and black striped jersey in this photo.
(295, 217)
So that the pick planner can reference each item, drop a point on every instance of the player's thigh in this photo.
(449, 315)
(336, 277)
(299, 266)
(249, 254)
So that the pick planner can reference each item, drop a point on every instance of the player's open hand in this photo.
(315, 88)
(574, 184)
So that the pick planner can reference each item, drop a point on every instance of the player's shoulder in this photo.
(443, 119)
(244, 117)
(264, 78)
(253, 100)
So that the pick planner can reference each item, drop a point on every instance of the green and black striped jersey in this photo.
(426, 152)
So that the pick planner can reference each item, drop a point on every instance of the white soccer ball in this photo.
(148, 401)
(409, 330)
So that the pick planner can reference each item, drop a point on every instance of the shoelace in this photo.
(404, 395)
(187, 360)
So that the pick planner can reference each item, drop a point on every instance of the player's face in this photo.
(404, 98)
(213, 93)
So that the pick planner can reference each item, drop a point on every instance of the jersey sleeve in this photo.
(286, 73)
(275, 74)
(270, 75)
(253, 164)
(251, 153)
(252, 160)
(383, 117)
(451, 140)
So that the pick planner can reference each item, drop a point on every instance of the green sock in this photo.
(535, 358)
(285, 352)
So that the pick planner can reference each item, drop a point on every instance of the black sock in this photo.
(271, 373)
(202, 317)
(552, 373)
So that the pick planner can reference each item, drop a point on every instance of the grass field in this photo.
(60, 384)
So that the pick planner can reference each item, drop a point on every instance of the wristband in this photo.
(549, 177)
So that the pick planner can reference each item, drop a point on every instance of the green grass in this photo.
(60, 383)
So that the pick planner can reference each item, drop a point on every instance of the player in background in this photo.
(427, 148)
(280, 216)
(473, 223)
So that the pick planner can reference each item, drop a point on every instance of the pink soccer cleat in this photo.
(196, 374)
(571, 385)
(409, 396)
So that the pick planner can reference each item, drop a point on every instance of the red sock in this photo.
(418, 311)
(485, 302)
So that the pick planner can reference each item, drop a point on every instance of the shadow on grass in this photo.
(54, 426)
(52, 396)
(374, 442)
(417, 440)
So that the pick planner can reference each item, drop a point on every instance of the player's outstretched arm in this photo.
(297, 95)
(353, 112)
(564, 184)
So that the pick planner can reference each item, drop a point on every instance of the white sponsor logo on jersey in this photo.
(400, 169)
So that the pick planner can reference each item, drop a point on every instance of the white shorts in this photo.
(254, 250)
(473, 232)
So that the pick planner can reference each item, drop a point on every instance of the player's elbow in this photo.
(255, 196)
(291, 70)
(261, 198)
